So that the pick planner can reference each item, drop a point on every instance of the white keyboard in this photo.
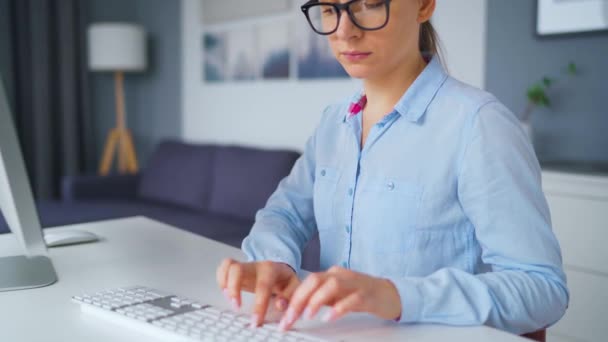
(171, 316)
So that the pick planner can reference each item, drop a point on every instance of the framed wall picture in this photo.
(571, 16)
(262, 40)
(219, 11)
(315, 59)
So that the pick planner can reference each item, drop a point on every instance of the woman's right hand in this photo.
(264, 278)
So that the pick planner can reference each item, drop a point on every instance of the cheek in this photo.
(333, 44)
(400, 42)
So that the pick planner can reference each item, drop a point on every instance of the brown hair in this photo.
(429, 40)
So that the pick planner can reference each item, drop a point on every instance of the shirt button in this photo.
(344, 264)
(347, 228)
(390, 185)
(323, 173)
(350, 192)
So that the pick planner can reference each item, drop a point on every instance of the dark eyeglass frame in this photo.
(339, 9)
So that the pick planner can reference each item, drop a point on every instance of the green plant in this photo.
(538, 92)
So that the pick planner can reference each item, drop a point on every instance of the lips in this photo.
(356, 55)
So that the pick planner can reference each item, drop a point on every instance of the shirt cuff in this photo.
(410, 297)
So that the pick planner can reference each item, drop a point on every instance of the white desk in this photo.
(139, 251)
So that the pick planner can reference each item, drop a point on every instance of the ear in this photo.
(426, 10)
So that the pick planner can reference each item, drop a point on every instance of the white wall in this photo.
(462, 30)
(283, 114)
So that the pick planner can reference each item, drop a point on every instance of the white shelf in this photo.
(575, 184)
(579, 213)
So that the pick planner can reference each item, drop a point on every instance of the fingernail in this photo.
(235, 304)
(329, 316)
(307, 313)
(226, 294)
(254, 321)
(282, 304)
(283, 324)
(290, 316)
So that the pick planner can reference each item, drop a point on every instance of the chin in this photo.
(357, 71)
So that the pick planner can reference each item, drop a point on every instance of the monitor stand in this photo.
(21, 272)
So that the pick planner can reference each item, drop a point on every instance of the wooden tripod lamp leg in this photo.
(119, 139)
(122, 156)
(130, 150)
(108, 152)
(120, 118)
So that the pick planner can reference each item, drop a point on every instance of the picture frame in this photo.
(216, 11)
(558, 17)
(268, 41)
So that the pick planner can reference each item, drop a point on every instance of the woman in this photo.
(425, 193)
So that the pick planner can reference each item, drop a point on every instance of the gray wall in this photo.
(576, 128)
(153, 97)
(5, 51)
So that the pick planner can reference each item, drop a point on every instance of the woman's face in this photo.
(374, 54)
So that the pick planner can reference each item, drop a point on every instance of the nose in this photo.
(346, 29)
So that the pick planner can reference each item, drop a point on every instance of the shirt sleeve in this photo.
(287, 222)
(499, 188)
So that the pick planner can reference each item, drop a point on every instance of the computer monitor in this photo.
(33, 268)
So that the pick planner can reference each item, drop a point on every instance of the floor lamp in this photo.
(118, 48)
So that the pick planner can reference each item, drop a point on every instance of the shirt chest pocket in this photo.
(386, 213)
(326, 181)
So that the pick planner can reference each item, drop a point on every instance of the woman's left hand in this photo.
(345, 291)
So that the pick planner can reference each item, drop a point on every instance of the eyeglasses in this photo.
(368, 15)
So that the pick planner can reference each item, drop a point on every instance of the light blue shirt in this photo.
(444, 200)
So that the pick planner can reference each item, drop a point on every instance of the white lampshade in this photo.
(117, 47)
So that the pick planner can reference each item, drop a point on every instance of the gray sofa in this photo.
(210, 190)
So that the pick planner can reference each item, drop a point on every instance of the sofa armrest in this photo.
(98, 187)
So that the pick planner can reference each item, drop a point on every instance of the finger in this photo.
(263, 291)
(235, 279)
(281, 303)
(330, 292)
(336, 269)
(291, 288)
(222, 272)
(355, 302)
(299, 299)
(285, 294)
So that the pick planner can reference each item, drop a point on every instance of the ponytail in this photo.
(429, 40)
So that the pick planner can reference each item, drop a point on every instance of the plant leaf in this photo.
(545, 100)
(547, 81)
(537, 95)
(572, 68)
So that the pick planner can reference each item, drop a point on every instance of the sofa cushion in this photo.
(224, 229)
(221, 228)
(244, 178)
(178, 174)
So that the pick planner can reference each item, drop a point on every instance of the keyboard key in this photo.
(185, 317)
(213, 310)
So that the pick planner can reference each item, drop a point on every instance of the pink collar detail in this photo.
(356, 107)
